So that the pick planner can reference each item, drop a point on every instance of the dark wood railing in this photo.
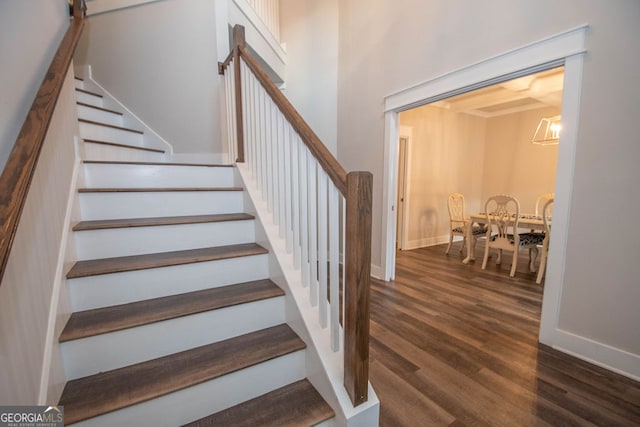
(21, 164)
(356, 187)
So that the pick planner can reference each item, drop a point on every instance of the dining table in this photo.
(525, 221)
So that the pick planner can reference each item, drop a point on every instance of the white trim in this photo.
(95, 7)
(429, 241)
(389, 196)
(562, 201)
(268, 51)
(262, 28)
(611, 358)
(514, 62)
(51, 337)
(377, 272)
(406, 132)
(532, 57)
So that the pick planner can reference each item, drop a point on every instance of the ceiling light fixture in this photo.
(548, 131)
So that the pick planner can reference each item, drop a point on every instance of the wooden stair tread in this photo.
(88, 323)
(116, 144)
(116, 162)
(296, 404)
(84, 104)
(155, 189)
(93, 122)
(158, 221)
(95, 267)
(89, 92)
(98, 394)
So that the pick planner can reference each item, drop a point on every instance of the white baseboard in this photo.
(603, 355)
(376, 271)
(427, 241)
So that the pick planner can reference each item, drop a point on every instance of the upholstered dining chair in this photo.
(459, 223)
(546, 219)
(503, 214)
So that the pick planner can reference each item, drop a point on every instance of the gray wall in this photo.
(400, 43)
(312, 67)
(30, 32)
(159, 59)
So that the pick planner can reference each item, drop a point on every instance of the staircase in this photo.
(175, 319)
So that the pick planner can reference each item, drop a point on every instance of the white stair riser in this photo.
(114, 350)
(104, 133)
(107, 243)
(126, 175)
(88, 99)
(95, 206)
(212, 396)
(105, 290)
(101, 116)
(93, 151)
(78, 83)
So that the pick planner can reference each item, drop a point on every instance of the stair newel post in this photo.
(238, 42)
(356, 288)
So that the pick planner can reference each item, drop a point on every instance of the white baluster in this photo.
(275, 184)
(287, 183)
(312, 202)
(304, 215)
(281, 178)
(295, 191)
(322, 245)
(334, 275)
(259, 134)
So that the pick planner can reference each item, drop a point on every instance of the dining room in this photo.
(482, 143)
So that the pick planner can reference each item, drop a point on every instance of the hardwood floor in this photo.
(452, 345)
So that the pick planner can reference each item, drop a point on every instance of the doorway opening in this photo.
(479, 144)
(565, 49)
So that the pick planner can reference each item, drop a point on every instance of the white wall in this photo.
(475, 156)
(310, 31)
(446, 156)
(30, 33)
(515, 166)
(400, 43)
(159, 59)
(30, 318)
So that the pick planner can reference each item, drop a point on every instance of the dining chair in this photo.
(503, 215)
(546, 219)
(459, 223)
(541, 201)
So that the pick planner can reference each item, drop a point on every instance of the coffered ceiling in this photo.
(543, 89)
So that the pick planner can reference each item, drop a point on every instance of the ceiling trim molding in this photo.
(537, 56)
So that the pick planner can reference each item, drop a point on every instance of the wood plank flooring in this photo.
(452, 345)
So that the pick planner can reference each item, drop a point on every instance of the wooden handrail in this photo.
(336, 172)
(357, 188)
(20, 167)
